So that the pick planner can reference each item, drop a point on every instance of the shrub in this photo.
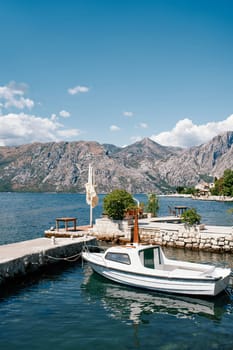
(191, 217)
(116, 203)
(153, 204)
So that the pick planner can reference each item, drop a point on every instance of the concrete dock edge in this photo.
(24, 258)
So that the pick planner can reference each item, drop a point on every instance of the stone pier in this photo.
(23, 258)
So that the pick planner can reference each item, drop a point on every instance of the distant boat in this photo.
(147, 267)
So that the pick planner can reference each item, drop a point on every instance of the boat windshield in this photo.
(118, 257)
(150, 257)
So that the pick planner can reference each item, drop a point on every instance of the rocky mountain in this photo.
(200, 162)
(144, 166)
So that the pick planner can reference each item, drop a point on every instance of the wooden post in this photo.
(136, 229)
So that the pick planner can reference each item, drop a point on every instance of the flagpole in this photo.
(91, 181)
(90, 215)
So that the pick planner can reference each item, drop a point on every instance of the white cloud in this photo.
(70, 133)
(114, 128)
(64, 114)
(12, 95)
(128, 114)
(187, 134)
(143, 125)
(78, 89)
(16, 129)
(20, 103)
(135, 138)
(53, 117)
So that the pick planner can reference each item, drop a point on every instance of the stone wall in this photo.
(107, 229)
(195, 238)
(188, 238)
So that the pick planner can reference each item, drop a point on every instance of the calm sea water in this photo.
(69, 307)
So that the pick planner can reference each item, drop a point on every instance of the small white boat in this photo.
(127, 303)
(147, 267)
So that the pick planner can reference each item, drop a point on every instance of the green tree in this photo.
(228, 183)
(217, 190)
(186, 190)
(224, 185)
(153, 204)
(117, 202)
(180, 189)
(191, 217)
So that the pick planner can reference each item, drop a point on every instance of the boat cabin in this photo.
(149, 257)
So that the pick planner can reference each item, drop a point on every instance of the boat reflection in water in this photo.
(130, 305)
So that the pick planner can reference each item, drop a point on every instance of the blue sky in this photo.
(115, 71)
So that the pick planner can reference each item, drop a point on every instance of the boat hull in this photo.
(170, 285)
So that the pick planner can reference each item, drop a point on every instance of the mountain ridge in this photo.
(143, 167)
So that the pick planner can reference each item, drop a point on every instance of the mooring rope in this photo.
(73, 258)
(69, 258)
